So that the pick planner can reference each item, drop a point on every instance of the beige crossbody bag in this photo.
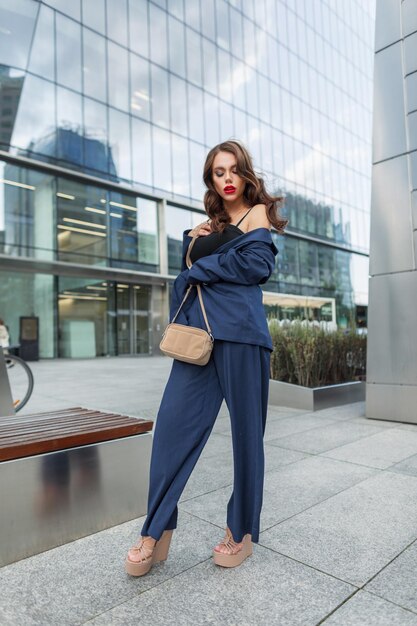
(188, 343)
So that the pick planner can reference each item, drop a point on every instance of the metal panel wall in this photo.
(392, 347)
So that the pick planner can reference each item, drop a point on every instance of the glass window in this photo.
(211, 114)
(210, 66)
(252, 91)
(227, 129)
(81, 223)
(222, 18)
(147, 226)
(266, 147)
(158, 35)
(69, 8)
(197, 159)
(248, 8)
(176, 7)
(241, 125)
(138, 27)
(118, 76)
(180, 166)
(95, 136)
(26, 212)
(117, 20)
(133, 225)
(176, 46)
(142, 153)
(179, 112)
(83, 318)
(160, 96)
(11, 84)
(17, 24)
(277, 153)
(208, 23)
(119, 140)
(264, 108)
(139, 87)
(35, 295)
(192, 14)
(176, 221)
(276, 110)
(196, 119)
(282, 23)
(194, 69)
(249, 42)
(225, 73)
(34, 128)
(236, 33)
(238, 84)
(68, 52)
(42, 55)
(162, 159)
(94, 65)
(69, 126)
(94, 15)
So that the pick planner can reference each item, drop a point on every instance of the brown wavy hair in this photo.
(254, 193)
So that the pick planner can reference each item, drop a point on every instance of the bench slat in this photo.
(58, 430)
(73, 422)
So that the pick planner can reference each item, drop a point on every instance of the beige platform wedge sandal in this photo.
(237, 555)
(149, 552)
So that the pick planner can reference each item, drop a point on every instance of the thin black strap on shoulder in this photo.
(244, 216)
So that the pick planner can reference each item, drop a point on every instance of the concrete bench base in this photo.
(52, 498)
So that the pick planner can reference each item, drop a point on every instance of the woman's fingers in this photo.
(205, 229)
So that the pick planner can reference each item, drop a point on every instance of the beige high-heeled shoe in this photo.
(236, 555)
(150, 553)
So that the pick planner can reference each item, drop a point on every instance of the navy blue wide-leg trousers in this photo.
(238, 373)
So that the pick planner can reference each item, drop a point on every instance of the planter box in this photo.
(315, 398)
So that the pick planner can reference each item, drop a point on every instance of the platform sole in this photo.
(160, 553)
(232, 560)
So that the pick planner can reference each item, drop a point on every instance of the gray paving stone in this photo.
(344, 517)
(70, 584)
(266, 590)
(355, 533)
(381, 450)
(208, 476)
(324, 438)
(408, 466)
(344, 411)
(366, 609)
(287, 491)
(294, 424)
(398, 581)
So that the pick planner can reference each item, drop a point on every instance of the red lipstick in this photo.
(229, 189)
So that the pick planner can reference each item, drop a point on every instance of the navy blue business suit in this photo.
(237, 371)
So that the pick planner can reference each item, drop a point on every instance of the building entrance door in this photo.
(133, 319)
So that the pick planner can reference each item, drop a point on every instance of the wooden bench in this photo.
(67, 474)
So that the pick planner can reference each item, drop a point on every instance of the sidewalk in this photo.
(338, 541)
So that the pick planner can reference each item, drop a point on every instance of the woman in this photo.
(230, 262)
(4, 336)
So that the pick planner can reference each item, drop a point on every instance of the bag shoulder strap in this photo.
(200, 297)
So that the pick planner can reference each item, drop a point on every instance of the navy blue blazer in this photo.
(230, 278)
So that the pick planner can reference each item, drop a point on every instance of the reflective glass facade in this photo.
(108, 109)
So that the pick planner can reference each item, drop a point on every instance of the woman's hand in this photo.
(202, 229)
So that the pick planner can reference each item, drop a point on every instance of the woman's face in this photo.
(228, 184)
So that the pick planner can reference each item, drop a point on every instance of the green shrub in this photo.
(313, 357)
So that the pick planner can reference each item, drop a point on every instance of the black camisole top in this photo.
(206, 244)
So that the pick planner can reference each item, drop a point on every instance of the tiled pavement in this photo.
(338, 541)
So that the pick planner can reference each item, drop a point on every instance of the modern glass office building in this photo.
(107, 111)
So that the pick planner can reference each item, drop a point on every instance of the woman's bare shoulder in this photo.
(258, 217)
